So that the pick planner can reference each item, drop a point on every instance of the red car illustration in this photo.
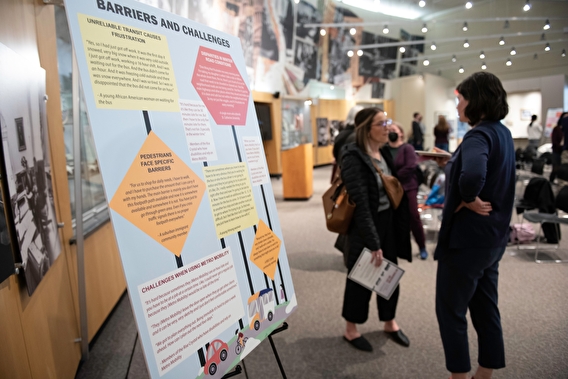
(216, 352)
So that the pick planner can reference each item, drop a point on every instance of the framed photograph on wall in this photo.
(20, 132)
(526, 114)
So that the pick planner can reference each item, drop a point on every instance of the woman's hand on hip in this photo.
(377, 257)
(478, 206)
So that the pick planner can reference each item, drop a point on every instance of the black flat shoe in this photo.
(399, 337)
(360, 343)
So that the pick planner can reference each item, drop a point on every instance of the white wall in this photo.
(529, 101)
(408, 94)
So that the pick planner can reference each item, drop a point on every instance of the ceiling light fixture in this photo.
(513, 51)
(502, 41)
(359, 53)
(535, 56)
(546, 25)
(466, 44)
(483, 66)
(352, 31)
(547, 47)
(468, 5)
(543, 37)
(402, 49)
(421, 3)
(509, 63)
(454, 59)
(482, 55)
(563, 54)
(297, 1)
(527, 6)
(369, 5)
(426, 62)
(506, 25)
(433, 46)
(350, 53)
(323, 32)
(461, 70)
(386, 29)
(424, 28)
(464, 28)
(331, 88)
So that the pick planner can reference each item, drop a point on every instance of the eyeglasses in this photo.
(383, 123)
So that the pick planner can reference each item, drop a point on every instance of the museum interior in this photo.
(66, 309)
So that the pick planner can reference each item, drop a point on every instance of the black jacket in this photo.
(340, 140)
(358, 174)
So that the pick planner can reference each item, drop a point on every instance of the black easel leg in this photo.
(277, 357)
(235, 372)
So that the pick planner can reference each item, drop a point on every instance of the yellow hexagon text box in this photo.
(265, 250)
(159, 194)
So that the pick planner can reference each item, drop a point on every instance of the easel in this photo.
(238, 368)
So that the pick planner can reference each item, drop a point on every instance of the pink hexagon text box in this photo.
(221, 87)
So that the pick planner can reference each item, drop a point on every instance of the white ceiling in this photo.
(486, 24)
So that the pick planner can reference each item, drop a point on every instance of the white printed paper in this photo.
(383, 279)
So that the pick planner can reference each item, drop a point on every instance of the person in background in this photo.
(556, 139)
(405, 164)
(417, 132)
(441, 133)
(480, 192)
(534, 132)
(375, 224)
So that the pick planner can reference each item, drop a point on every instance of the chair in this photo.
(550, 218)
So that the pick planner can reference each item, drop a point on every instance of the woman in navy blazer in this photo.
(480, 180)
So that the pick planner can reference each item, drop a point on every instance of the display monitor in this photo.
(263, 114)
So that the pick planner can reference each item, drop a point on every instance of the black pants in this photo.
(356, 299)
(467, 278)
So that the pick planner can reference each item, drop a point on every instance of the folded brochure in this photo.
(383, 279)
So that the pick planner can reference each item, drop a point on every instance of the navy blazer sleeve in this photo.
(475, 153)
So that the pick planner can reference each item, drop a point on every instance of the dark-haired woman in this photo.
(441, 134)
(480, 180)
(534, 132)
(375, 225)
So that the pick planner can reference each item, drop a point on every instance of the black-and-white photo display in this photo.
(28, 170)
(323, 131)
(370, 63)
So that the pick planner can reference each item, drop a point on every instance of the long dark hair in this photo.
(363, 121)
(487, 98)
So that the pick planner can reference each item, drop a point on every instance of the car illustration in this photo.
(216, 352)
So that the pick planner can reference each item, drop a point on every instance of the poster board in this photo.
(29, 206)
(552, 116)
(184, 173)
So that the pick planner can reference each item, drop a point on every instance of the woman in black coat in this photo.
(375, 225)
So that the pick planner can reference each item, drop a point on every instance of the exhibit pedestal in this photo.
(298, 172)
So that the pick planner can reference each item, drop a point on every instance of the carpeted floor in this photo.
(533, 302)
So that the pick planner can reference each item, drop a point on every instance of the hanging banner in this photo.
(29, 203)
(184, 173)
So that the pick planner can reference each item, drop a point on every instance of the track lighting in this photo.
(323, 32)
(433, 46)
(527, 6)
(546, 25)
(543, 37)
(466, 44)
(506, 25)
(424, 28)
(426, 62)
(513, 51)
(297, 1)
(350, 53)
(509, 62)
(535, 56)
(359, 53)
(464, 28)
(332, 87)
(352, 31)
(483, 66)
(468, 5)
(482, 55)
(502, 41)
(547, 47)
(563, 54)
(386, 29)
(454, 59)
(461, 70)
(402, 49)
(421, 3)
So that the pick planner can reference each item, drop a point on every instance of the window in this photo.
(95, 209)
